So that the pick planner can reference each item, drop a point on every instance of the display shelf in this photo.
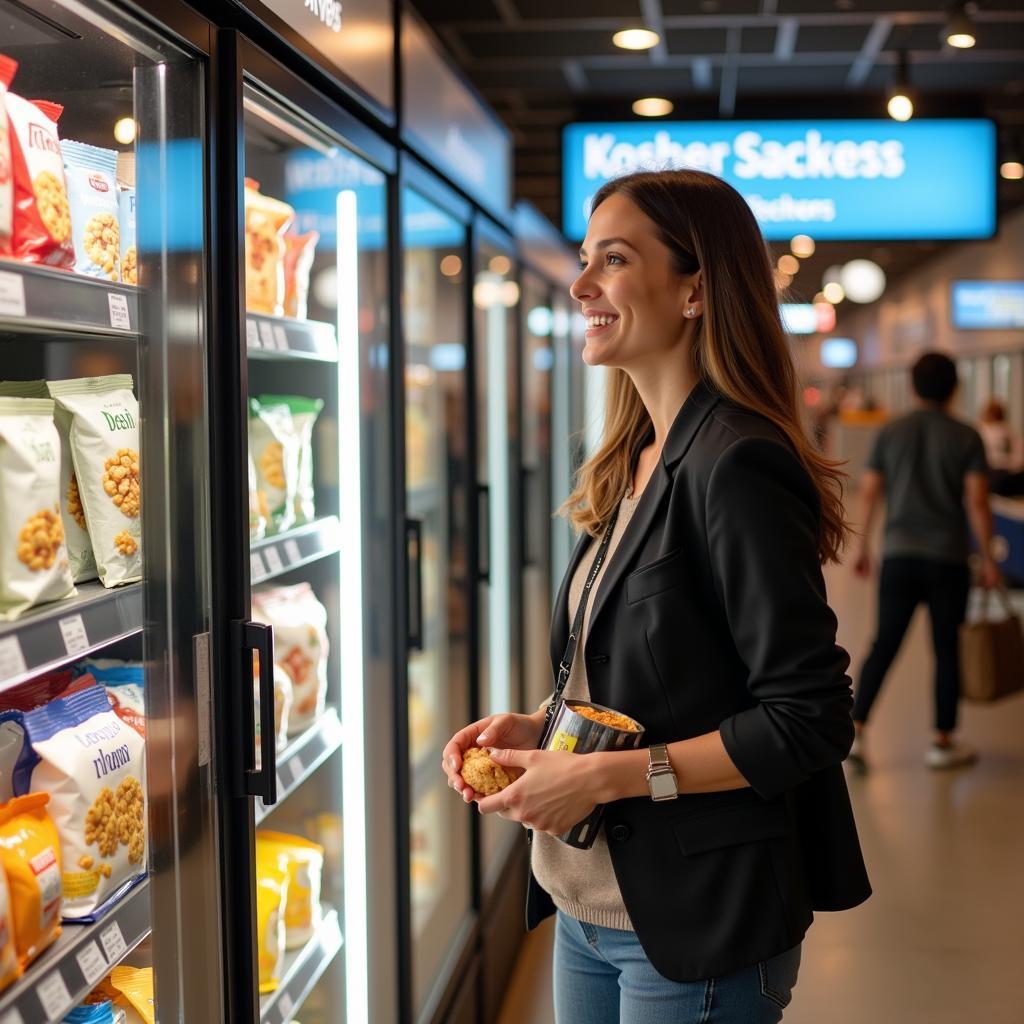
(283, 552)
(41, 300)
(71, 967)
(57, 633)
(281, 337)
(302, 970)
(302, 757)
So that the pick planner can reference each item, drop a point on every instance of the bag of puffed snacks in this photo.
(101, 415)
(33, 557)
(91, 175)
(304, 413)
(275, 454)
(93, 766)
(129, 251)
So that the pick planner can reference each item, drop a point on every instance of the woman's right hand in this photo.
(508, 731)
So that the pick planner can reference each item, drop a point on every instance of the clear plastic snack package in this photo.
(91, 175)
(7, 69)
(100, 416)
(304, 413)
(266, 220)
(257, 504)
(129, 247)
(302, 913)
(274, 447)
(271, 899)
(299, 253)
(34, 564)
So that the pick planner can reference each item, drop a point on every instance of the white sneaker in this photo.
(856, 756)
(955, 755)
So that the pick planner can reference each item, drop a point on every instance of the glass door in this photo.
(437, 472)
(106, 821)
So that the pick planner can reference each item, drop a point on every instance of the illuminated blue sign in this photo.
(988, 305)
(839, 353)
(833, 180)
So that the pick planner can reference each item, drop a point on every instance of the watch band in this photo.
(661, 779)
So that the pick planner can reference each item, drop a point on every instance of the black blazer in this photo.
(712, 615)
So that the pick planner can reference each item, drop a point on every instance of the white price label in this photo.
(113, 942)
(291, 550)
(54, 996)
(12, 294)
(280, 338)
(92, 963)
(252, 334)
(296, 766)
(286, 1006)
(12, 661)
(256, 567)
(274, 562)
(72, 629)
(118, 305)
(266, 334)
(12, 1017)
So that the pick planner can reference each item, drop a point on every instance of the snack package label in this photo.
(47, 871)
(93, 196)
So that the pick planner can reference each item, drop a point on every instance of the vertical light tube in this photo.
(350, 626)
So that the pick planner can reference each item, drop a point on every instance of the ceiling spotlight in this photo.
(1011, 170)
(833, 292)
(900, 105)
(788, 264)
(636, 39)
(959, 30)
(653, 106)
(802, 246)
(451, 265)
(124, 130)
(500, 265)
(862, 281)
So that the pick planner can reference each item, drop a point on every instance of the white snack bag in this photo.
(101, 416)
(33, 556)
(93, 766)
(275, 454)
(300, 647)
(91, 175)
(129, 250)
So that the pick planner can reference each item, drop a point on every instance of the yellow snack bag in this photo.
(136, 987)
(30, 854)
(302, 913)
(271, 899)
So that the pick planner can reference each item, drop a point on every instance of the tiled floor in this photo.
(942, 939)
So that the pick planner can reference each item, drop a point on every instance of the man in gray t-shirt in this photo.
(931, 469)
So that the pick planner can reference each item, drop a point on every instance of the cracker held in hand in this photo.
(485, 775)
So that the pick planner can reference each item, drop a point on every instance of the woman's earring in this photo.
(691, 311)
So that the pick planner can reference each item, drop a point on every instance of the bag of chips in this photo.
(7, 69)
(93, 766)
(299, 253)
(129, 250)
(100, 416)
(31, 858)
(266, 221)
(302, 913)
(304, 412)
(275, 454)
(136, 987)
(271, 899)
(91, 175)
(300, 646)
(33, 556)
(10, 969)
(124, 682)
(41, 225)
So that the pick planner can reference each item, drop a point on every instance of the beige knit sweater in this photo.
(582, 883)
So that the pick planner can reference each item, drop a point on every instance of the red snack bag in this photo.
(42, 215)
(34, 693)
(7, 69)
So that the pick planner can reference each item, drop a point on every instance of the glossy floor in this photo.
(940, 941)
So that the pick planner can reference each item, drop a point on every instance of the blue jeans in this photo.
(603, 976)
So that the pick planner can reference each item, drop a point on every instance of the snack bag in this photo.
(33, 556)
(129, 253)
(299, 253)
(31, 858)
(283, 695)
(136, 987)
(100, 416)
(124, 682)
(302, 912)
(34, 693)
(275, 454)
(304, 413)
(266, 221)
(42, 217)
(91, 175)
(91, 1013)
(271, 899)
(7, 69)
(300, 646)
(10, 969)
(92, 764)
(257, 505)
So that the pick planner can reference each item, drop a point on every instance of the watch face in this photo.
(663, 786)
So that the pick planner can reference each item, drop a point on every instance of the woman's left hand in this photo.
(553, 794)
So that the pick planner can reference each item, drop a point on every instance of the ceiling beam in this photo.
(654, 18)
(703, 76)
(730, 74)
(574, 75)
(785, 38)
(868, 56)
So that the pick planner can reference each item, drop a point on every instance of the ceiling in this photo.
(543, 63)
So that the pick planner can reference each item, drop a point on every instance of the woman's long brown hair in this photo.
(740, 349)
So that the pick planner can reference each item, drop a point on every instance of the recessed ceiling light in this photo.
(124, 130)
(788, 264)
(1012, 170)
(802, 246)
(636, 39)
(833, 292)
(900, 105)
(653, 106)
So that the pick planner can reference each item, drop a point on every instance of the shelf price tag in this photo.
(92, 963)
(252, 334)
(266, 334)
(286, 1006)
(12, 294)
(113, 942)
(54, 996)
(280, 338)
(118, 305)
(72, 629)
(256, 567)
(291, 550)
(274, 563)
(296, 767)
(12, 661)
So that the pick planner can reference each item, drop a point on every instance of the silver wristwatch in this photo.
(660, 778)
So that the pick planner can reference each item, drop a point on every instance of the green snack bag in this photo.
(275, 454)
(304, 413)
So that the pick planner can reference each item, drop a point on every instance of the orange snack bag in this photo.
(30, 854)
(266, 221)
(299, 252)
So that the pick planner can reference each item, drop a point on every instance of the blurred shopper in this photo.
(1004, 449)
(705, 516)
(925, 464)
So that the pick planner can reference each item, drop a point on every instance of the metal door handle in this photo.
(414, 561)
(258, 781)
(483, 505)
(528, 475)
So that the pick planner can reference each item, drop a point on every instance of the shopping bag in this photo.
(992, 654)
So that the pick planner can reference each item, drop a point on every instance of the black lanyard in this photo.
(565, 665)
